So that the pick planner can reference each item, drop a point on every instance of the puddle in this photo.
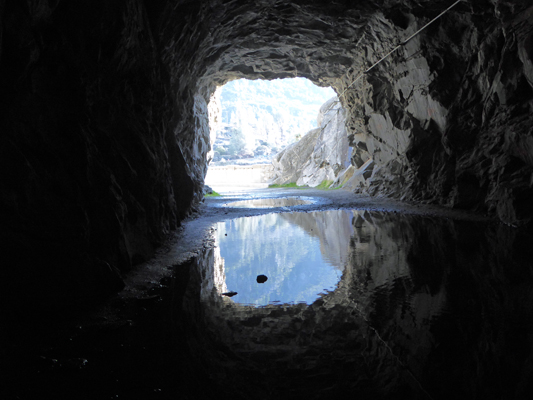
(270, 203)
(387, 305)
(290, 249)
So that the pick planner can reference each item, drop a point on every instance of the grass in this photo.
(214, 194)
(287, 185)
(324, 185)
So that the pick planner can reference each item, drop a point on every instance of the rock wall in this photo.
(104, 126)
(445, 119)
(92, 178)
(321, 155)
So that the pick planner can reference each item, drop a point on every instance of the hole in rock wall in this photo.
(254, 121)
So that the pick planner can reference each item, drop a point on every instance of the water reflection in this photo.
(292, 250)
(425, 308)
(269, 203)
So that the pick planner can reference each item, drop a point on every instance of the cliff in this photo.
(321, 155)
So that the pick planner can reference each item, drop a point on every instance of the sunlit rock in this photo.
(319, 156)
(357, 180)
(288, 163)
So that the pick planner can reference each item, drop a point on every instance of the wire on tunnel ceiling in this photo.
(381, 59)
(397, 47)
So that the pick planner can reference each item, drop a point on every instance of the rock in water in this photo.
(229, 294)
(261, 278)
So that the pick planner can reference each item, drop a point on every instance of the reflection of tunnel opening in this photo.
(381, 329)
(302, 259)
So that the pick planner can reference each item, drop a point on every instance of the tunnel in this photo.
(105, 116)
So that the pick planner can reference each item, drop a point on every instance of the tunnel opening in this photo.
(255, 120)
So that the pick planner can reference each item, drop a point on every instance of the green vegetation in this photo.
(221, 150)
(213, 194)
(288, 185)
(236, 143)
(325, 184)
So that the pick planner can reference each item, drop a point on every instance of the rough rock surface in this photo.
(91, 175)
(104, 128)
(331, 154)
(321, 155)
(288, 163)
(445, 117)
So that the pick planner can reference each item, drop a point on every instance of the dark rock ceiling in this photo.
(104, 118)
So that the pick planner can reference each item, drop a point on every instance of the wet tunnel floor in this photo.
(365, 303)
(399, 306)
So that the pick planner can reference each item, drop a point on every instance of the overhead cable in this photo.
(398, 46)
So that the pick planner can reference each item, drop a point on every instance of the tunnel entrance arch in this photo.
(258, 119)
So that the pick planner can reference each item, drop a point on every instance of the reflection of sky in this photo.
(272, 246)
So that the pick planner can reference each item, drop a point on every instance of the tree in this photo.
(236, 142)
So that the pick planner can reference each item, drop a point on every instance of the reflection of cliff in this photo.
(273, 246)
(397, 309)
(426, 308)
(214, 276)
(380, 246)
(441, 298)
(332, 228)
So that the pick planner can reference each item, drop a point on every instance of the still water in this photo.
(380, 305)
(288, 249)
(270, 203)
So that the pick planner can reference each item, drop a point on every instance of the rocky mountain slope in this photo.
(258, 118)
(321, 155)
